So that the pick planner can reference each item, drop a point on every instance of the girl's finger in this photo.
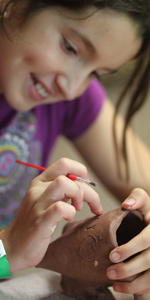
(139, 199)
(52, 215)
(63, 189)
(92, 198)
(135, 266)
(139, 286)
(134, 246)
(62, 167)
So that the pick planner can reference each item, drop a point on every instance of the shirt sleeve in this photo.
(82, 111)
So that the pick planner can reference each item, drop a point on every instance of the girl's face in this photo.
(56, 54)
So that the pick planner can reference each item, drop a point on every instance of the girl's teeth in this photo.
(41, 91)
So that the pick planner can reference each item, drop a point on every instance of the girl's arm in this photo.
(97, 147)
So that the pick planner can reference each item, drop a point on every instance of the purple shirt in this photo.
(30, 137)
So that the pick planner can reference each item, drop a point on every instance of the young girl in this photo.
(50, 52)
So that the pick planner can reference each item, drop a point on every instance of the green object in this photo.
(4, 264)
(4, 268)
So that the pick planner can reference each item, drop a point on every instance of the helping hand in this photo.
(140, 200)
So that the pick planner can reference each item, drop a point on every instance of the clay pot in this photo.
(81, 254)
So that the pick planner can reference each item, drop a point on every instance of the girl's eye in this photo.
(69, 47)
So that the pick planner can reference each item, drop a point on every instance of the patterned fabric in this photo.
(30, 137)
(17, 143)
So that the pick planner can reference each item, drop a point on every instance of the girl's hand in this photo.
(140, 200)
(45, 204)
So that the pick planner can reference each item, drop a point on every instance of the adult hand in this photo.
(45, 204)
(138, 199)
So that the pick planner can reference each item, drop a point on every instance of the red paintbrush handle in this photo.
(30, 165)
(72, 177)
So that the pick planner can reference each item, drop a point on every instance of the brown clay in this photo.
(81, 254)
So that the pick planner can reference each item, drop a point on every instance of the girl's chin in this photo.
(25, 103)
(20, 106)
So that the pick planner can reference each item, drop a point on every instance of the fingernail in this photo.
(129, 202)
(115, 256)
(117, 288)
(112, 274)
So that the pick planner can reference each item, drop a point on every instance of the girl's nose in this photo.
(71, 86)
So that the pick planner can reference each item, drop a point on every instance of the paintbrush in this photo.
(70, 176)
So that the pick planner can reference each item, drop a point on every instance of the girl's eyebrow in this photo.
(86, 42)
(90, 47)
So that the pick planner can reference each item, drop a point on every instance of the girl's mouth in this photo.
(39, 90)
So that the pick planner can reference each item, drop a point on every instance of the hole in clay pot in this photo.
(131, 226)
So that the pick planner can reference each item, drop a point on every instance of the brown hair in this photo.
(139, 11)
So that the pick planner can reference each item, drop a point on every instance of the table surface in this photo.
(42, 285)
